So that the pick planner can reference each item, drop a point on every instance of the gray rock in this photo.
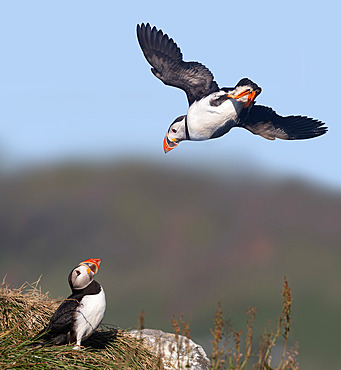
(176, 352)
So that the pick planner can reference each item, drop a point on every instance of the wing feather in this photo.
(163, 54)
(61, 321)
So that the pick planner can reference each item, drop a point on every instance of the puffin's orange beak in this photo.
(169, 144)
(92, 264)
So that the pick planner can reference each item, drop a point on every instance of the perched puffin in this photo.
(81, 313)
(213, 111)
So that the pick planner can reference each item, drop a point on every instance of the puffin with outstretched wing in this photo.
(213, 111)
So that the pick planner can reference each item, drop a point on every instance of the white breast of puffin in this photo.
(204, 120)
(90, 313)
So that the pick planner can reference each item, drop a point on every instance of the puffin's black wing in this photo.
(61, 322)
(165, 57)
(266, 122)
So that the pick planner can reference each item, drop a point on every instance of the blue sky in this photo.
(74, 83)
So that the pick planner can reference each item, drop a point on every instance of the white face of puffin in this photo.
(175, 134)
(81, 276)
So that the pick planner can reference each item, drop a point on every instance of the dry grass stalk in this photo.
(283, 328)
(177, 329)
(140, 324)
(237, 355)
(218, 350)
(251, 315)
(186, 332)
(284, 320)
(291, 361)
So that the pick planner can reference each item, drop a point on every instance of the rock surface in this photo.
(176, 351)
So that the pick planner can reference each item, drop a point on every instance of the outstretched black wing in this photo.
(61, 322)
(165, 57)
(266, 122)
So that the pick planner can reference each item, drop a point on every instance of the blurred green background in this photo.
(83, 174)
(181, 244)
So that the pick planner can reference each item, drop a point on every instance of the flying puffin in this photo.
(213, 111)
(81, 313)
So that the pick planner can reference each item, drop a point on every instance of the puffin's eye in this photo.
(77, 272)
(174, 130)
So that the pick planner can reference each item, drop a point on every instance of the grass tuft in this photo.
(25, 311)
